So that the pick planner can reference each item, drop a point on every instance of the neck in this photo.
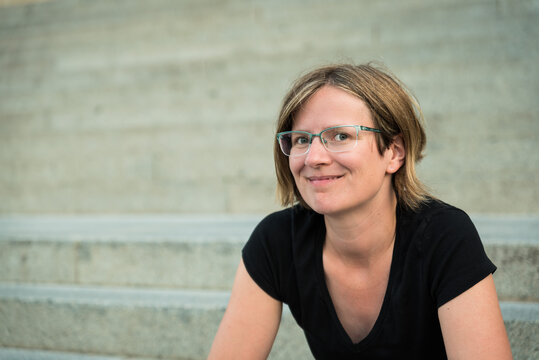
(361, 237)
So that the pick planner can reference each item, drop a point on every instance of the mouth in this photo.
(322, 180)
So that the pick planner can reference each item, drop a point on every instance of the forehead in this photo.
(331, 106)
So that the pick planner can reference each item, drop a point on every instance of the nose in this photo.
(318, 154)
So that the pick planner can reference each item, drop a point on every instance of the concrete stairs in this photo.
(156, 287)
(138, 286)
(102, 105)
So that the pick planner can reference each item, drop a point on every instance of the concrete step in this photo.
(169, 324)
(512, 243)
(26, 354)
(201, 252)
(157, 251)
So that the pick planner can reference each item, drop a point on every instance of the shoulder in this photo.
(438, 230)
(275, 227)
(268, 254)
(444, 220)
(276, 220)
(274, 234)
(283, 223)
(279, 233)
(434, 215)
(452, 253)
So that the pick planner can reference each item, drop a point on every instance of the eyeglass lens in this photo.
(336, 139)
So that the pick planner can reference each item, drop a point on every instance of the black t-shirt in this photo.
(437, 256)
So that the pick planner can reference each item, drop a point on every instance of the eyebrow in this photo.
(327, 127)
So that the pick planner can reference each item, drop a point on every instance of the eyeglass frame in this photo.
(312, 136)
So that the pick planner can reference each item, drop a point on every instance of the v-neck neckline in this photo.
(321, 280)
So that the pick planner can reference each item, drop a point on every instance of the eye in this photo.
(300, 140)
(341, 137)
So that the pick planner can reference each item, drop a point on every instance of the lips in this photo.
(324, 178)
(323, 181)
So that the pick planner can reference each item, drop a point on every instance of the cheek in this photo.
(295, 166)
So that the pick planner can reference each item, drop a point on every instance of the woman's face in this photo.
(333, 183)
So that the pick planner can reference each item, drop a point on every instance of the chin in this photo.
(323, 207)
(336, 206)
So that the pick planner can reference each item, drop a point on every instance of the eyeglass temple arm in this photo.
(366, 128)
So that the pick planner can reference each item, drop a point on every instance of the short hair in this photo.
(394, 111)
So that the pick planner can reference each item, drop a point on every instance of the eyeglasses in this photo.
(335, 139)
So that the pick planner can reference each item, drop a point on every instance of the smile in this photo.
(322, 180)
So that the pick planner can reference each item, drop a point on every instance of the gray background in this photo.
(169, 106)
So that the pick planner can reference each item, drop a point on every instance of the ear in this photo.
(396, 153)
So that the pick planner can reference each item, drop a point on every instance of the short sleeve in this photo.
(266, 253)
(456, 257)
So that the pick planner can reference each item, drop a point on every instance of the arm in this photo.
(472, 324)
(250, 323)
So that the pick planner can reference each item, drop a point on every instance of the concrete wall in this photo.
(169, 106)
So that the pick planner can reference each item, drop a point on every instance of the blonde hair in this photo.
(394, 111)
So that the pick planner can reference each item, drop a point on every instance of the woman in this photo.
(370, 265)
